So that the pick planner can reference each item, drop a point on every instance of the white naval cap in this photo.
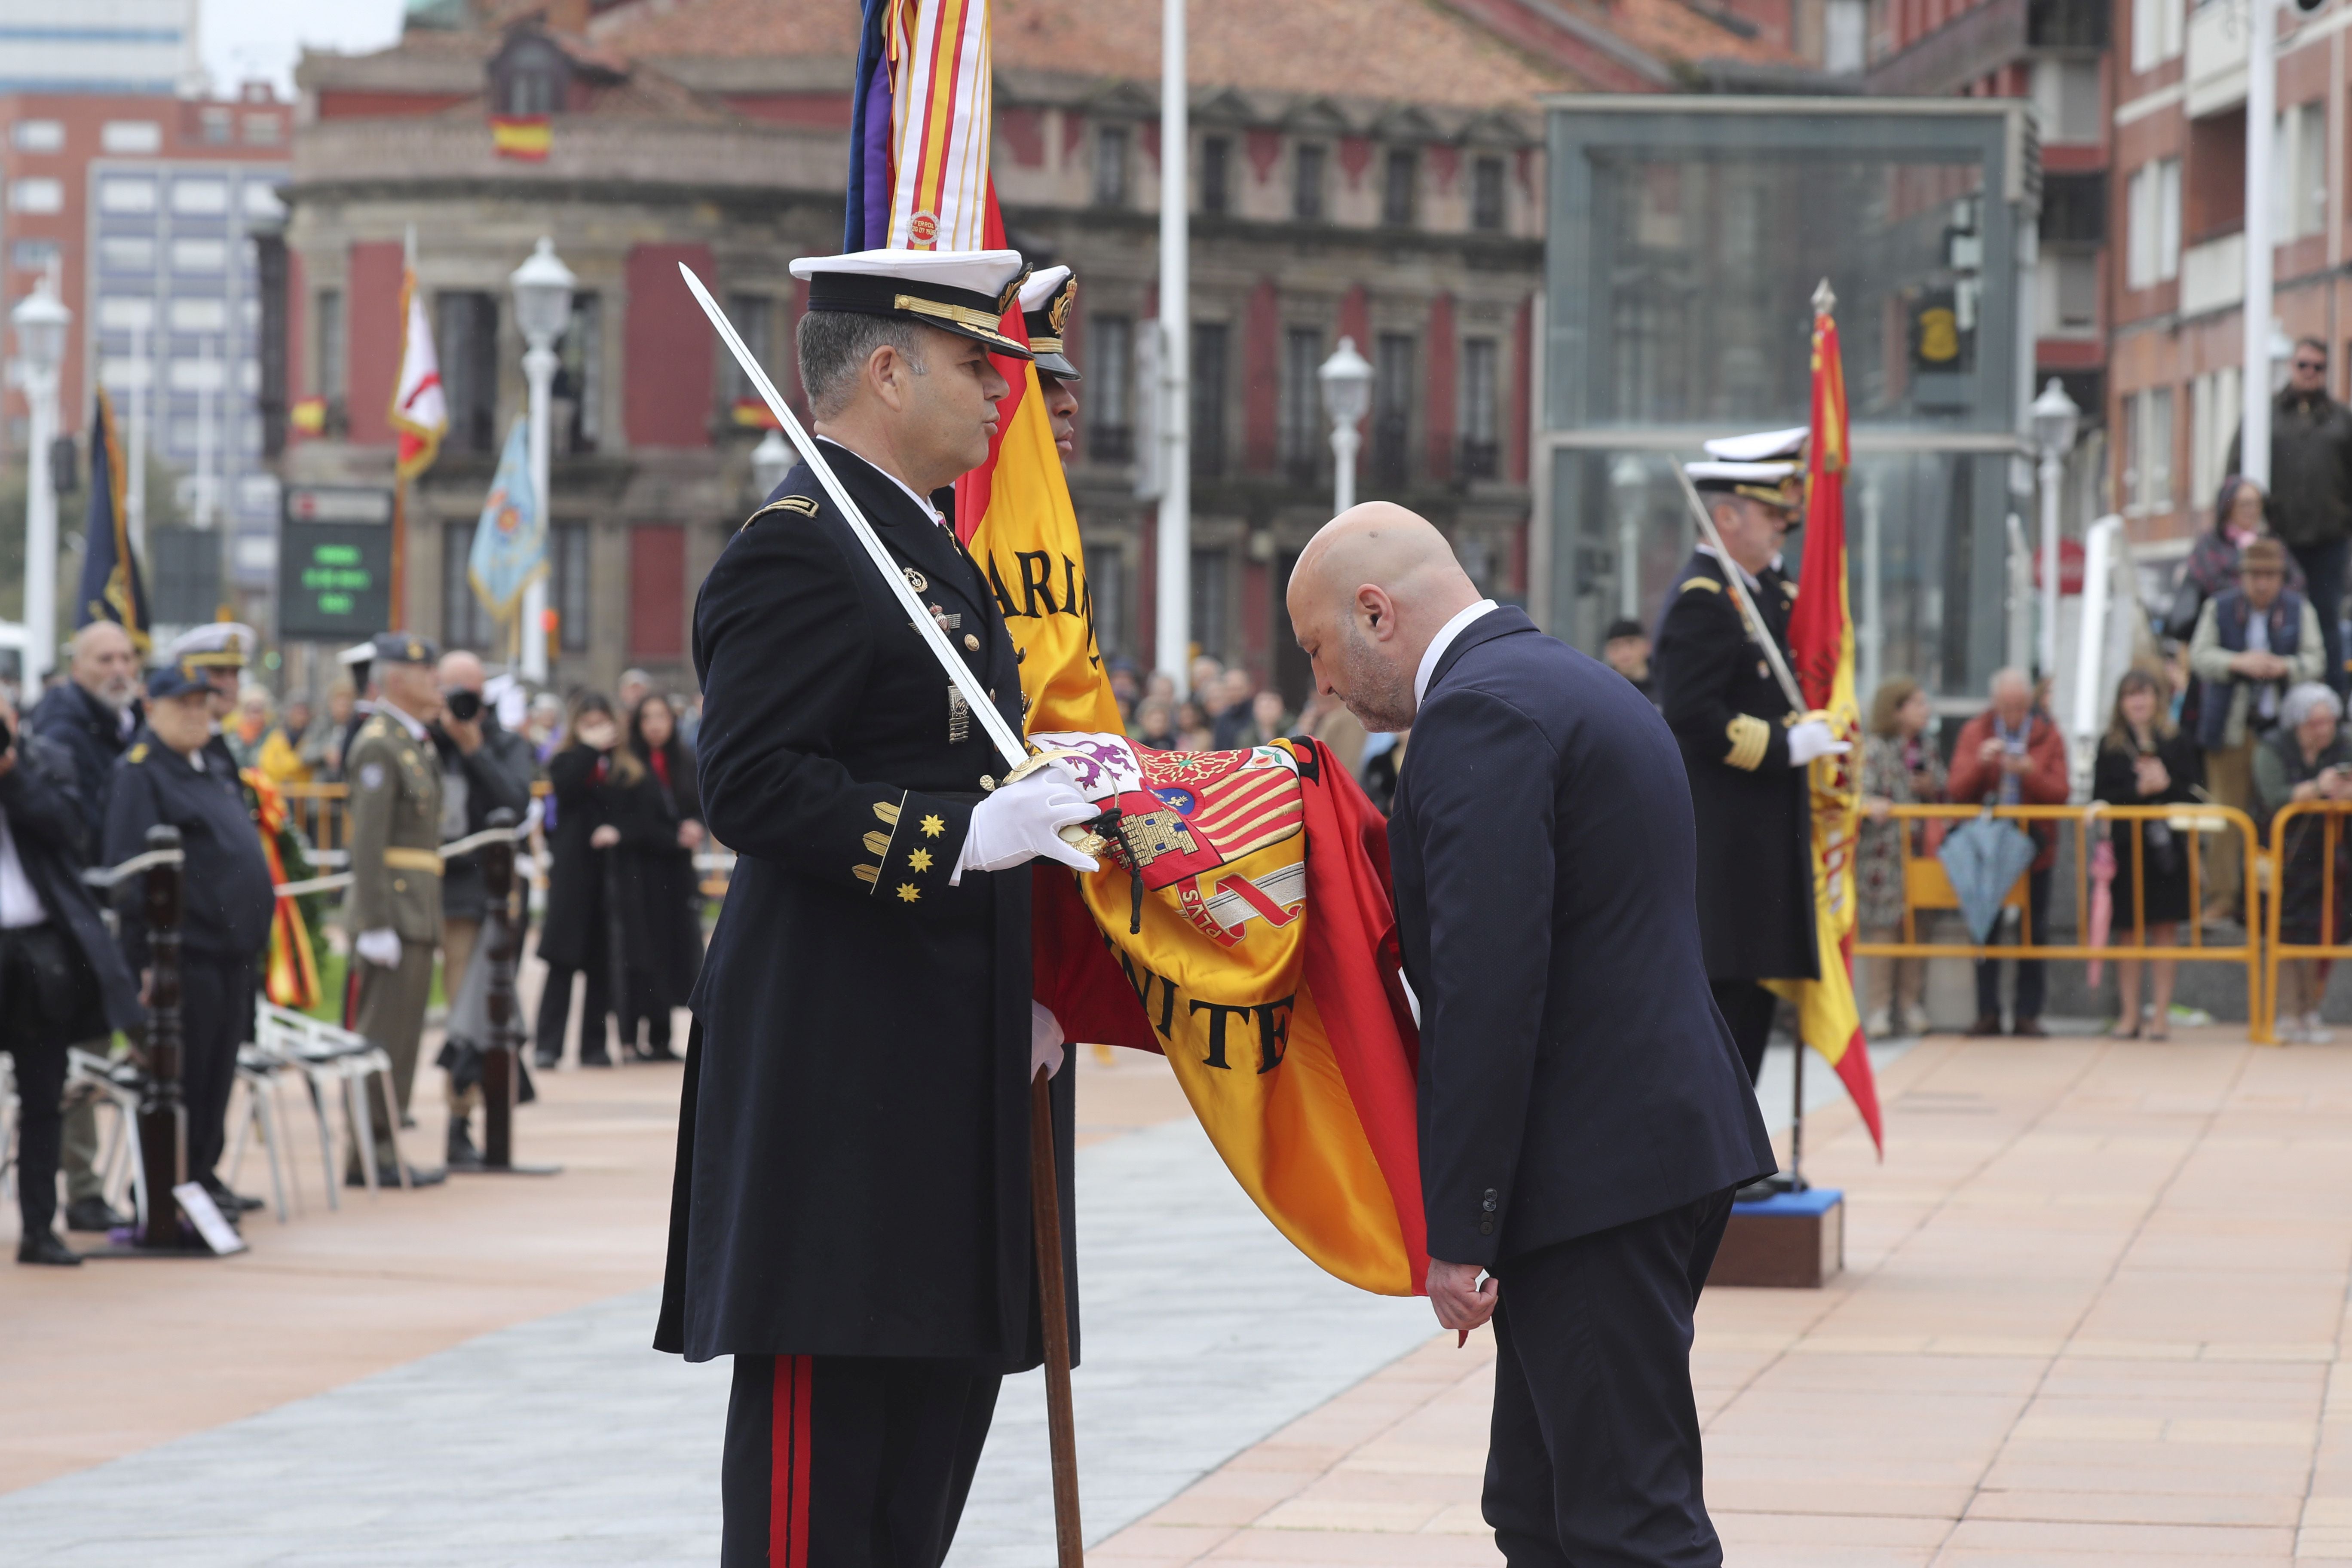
(1046, 300)
(1040, 285)
(1762, 446)
(216, 644)
(965, 292)
(1774, 484)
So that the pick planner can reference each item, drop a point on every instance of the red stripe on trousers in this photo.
(788, 1451)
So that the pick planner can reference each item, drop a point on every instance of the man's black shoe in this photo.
(463, 1155)
(95, 1214)
(599, 1061)
(47, 1249)
(386, 1176)
(231, 1204)
(543, 1060)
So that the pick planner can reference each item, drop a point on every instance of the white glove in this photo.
(1044, 1040)
(1018, 822)
(381, 948)
(1812, 738)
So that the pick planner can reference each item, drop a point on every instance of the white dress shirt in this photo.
(1443, 640)
(924, 501)
(20, 906)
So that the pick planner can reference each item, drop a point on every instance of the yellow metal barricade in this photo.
(2293, 822)
(1928, 889)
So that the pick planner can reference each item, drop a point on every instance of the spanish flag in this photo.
(1821, 645)
(1243, 926)
(525, 138)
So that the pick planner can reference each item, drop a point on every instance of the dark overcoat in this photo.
(660, 898)
(574, 932)
(41, 798)
(1730, 717)
(1575, 1074)
(225, 902)
(853, 1171)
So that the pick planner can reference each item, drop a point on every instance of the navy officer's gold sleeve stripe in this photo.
(877, 844)
(800, 506)
(1750, 738)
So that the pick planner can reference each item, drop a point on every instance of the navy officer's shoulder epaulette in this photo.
(793, 506)
(137, 753)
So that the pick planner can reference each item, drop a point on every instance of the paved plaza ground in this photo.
(2092, 1314)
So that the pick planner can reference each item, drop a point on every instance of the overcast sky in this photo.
(243, 39)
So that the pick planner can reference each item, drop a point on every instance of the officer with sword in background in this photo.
(851, 1219)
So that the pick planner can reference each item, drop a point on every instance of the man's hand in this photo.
(605, 837)
(2153, 777)
(2257, 665)
(2016, 762)
(1991, 751)
(1461, 1302)
(1044, 1040)
(1022, 821)
(465, 733)
(1812, 738)
(689, 834)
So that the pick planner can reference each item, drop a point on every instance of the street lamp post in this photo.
(772, 460)
(2262, 99)
(40, 320)
(1173, 556)
(543, 297)
(1347, 381)
(2055, 417)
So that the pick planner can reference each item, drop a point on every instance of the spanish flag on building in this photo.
(1821, 646)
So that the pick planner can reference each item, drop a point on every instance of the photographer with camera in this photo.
(61, 978)
(484, 767)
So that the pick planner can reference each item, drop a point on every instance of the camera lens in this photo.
(464, 706)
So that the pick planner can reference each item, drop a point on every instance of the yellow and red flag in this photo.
(1820, 646)
(1243, 927)
(526, 138)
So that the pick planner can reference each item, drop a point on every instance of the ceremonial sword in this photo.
(1739, 580)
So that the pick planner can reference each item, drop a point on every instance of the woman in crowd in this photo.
(2304, 759)
(587, 772)
(1193, 730)
(659, 820)
(1154, 727)
(1899, 767)
(2144, 760)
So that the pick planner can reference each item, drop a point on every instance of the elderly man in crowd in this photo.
(2311, 488)
(90, 720)
(2252, 644)
(2012, 755)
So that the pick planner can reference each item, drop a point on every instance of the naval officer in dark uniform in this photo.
(1744, 745)
(851, 1215)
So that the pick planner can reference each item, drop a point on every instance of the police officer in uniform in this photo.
(1744, 745)
(170, 775)
(851, 1214)
(393, 911)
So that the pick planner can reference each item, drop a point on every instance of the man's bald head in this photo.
(462, 671)
(1370, 591)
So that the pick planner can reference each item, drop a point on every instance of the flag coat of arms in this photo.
(1244, 926)
(510, 538)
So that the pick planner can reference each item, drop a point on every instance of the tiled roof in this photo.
(1680, 29)
(1401, 50)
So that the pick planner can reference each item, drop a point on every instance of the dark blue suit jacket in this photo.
(1575, 1074)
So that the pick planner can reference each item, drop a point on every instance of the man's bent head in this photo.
(1370, 593)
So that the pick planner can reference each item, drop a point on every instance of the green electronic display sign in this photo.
(334, 564)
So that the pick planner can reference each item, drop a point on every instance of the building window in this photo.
(1487, 211)
(1216, 169)
(201, 198)
(1394, 385)
(2066, 100)
(1208, 341)
(215, 125)
(2152, 224)
(37, 196)
(1106, 593)
(466, 340)
(131, 136)
(579, 390)
(38, 135)
(2148, 451)
(1397, 190)
(127, 254)
(1211, 569)
(331, 365)
(206, 257)
(464, 622)
(1845, 24)
(1110, 386)
(567, 588)
(1300, 428)
(263, 130)
(2070, 291)
(1481, 426)
(658, 590)
(2075, 209)
(1110, 165)
(2299, 173)
(1307, 194)
(530, 79)
(2159, 28)
(35, 255)
(2212, 425)
(754, 319)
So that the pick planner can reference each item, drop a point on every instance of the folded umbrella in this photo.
(1984, 859)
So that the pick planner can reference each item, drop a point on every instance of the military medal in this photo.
(959, 717)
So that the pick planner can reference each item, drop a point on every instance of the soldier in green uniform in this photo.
(393, 913)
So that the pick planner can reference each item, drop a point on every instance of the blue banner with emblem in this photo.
(110, 587)
(511, 539)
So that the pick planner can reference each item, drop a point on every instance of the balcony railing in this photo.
(1480, 459)
(1110, 443)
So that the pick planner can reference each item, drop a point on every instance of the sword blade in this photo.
(1011, 746)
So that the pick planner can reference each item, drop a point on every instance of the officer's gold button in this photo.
(398, 886)
(971, 643)
(986, 782)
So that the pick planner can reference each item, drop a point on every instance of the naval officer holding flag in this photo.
(851, 1214)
